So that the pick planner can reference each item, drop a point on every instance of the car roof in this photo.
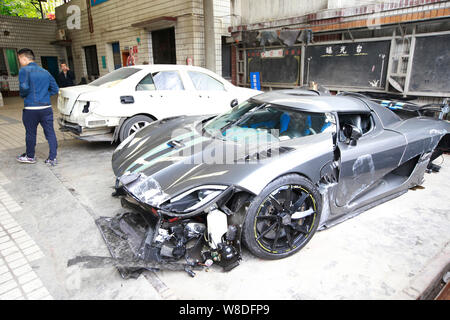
(311, 103)
(170, 67)
(152, 67)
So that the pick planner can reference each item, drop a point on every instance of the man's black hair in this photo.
(27, 53)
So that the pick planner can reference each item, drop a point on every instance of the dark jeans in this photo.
(31, 120)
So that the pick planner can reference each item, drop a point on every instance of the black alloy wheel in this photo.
(283, 218)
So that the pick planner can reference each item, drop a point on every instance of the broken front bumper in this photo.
(130, 238)
(146, 239)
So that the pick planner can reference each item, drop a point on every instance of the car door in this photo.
(364, 165)
(146, 98)
(212, 93)
(176, 98)
(164, 95)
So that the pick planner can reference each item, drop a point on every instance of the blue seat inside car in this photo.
(289, 126)
(284, 122)
(309, 126)
(326, 125)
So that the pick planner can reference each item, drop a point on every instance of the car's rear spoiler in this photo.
(439, 110)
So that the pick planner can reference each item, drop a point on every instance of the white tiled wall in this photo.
(35, 34)
(113, 21)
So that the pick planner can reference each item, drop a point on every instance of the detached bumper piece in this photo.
(130, 241)
(140, 241)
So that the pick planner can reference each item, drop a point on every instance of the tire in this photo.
(133, 124)
(270, 230)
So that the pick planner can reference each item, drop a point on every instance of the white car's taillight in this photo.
(87, 106)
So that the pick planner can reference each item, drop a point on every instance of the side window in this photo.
(363, 121)
(167, 80)
(204, 82)
(146, 84)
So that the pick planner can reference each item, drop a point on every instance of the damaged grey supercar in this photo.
(268, 174)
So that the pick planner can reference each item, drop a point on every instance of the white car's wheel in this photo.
(133, 125)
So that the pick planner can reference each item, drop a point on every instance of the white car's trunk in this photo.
(68, 97)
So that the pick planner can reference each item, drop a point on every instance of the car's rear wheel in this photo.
(282, 218)
(134, 124)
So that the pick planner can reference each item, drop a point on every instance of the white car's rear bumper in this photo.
(87, 134)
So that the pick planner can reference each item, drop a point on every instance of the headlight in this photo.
(145, 189)
(193, 199)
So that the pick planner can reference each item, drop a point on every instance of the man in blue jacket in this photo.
(36, 87)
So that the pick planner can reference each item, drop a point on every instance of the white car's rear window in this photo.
(115, 77)
(167, 80)
(204, 82)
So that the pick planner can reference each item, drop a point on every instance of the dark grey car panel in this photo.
(387, 146)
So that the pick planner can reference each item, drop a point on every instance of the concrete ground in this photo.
(47, 214)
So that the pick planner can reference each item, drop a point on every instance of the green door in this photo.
(13, 64)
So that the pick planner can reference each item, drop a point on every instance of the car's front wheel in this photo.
(282, 218)
(134, 124)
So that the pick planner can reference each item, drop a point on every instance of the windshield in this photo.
(279, 123)
(114, 77)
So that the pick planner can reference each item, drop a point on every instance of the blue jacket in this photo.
(36, 86)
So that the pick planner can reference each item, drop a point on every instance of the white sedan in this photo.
(120, 103)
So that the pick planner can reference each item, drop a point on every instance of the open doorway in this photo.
(125, 56)
(51, 65)
(90, 54)
(115, 46)
(163, 42)
(226, 59)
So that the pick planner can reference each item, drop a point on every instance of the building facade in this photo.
(104, 35)
(399, 47)
(396, 47)
(36, 34)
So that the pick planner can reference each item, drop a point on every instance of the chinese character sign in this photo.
(353, 64)
(255, 80)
